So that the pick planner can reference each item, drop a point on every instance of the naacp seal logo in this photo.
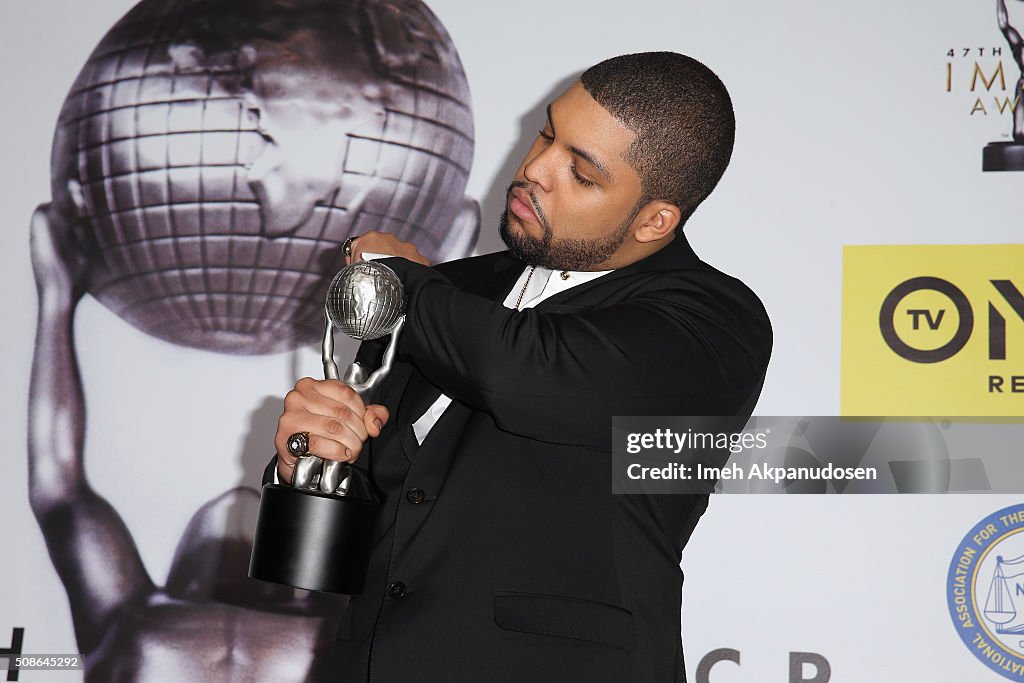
(985, 590)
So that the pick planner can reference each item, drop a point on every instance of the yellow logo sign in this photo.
(933, 330)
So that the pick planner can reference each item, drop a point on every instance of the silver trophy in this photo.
(1009, 155)
(365, 301)
(316, 534)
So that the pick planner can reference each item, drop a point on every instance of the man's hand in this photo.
(338, 422)
(375, 242)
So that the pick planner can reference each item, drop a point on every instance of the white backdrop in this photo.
(846, 135)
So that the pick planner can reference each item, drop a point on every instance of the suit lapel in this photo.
(503, 276)
(419, 394)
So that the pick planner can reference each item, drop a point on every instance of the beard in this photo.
(563, 253)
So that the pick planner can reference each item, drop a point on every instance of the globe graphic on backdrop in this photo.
(213, 155)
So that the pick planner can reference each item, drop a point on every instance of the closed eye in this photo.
(586, 182)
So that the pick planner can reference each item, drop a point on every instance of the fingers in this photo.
(350, 253)
(285, 470)
(333, 399)
(331, 412)
(375, 242)
(375, 418)
(328, 438)
(334, 416)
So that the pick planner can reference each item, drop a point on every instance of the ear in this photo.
(656, 220)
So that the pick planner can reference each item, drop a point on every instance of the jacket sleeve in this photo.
(561, 376)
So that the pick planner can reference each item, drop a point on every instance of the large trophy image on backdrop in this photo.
(208, 162)
(1009, 156)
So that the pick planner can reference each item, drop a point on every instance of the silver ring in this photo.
(298, 444)
(346, 247)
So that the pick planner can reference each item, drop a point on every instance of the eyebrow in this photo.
(582, 153)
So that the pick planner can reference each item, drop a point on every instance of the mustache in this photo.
(534, 202)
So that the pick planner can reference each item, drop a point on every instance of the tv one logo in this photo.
(904, 321)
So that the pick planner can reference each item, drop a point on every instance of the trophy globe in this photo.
(366, 300)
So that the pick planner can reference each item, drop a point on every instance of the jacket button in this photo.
(415, 496)
(397, 590)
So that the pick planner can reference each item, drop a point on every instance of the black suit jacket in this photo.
(501, 553)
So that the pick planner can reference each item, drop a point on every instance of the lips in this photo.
(519, 204)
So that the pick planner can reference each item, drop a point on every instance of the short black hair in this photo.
(682, 115)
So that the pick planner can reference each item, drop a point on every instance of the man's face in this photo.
(574, 198)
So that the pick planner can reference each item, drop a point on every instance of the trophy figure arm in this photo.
(1016, 43)
(330, 367)
(559, 377)
(328, 475)
(368, 389)
(1013, 36)
(1018, 110)
(88, 542)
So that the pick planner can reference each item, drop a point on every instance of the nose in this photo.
(539, 166)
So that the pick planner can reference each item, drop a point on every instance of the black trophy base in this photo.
(308, 539)
(1003, 156)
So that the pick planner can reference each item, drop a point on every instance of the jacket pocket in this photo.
(565, 617)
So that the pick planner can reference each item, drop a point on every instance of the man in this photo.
(500, 552)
